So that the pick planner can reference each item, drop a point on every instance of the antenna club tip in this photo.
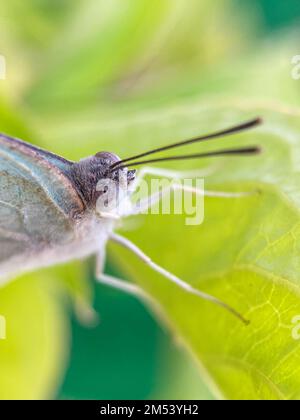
(259, 120)
(259, 150)
(255, 150)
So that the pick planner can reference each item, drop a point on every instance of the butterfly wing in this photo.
(38, 202)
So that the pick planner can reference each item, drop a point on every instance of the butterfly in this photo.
(53, 210)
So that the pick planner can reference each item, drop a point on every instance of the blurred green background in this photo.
(75, 70)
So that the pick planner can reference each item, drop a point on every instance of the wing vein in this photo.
(35, 178)
(14, 235)
(4, 203)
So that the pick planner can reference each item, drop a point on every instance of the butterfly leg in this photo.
(122, 285)
(171, 277)
(173, 174)
(115, 282)
(146, 203)
(109, 216)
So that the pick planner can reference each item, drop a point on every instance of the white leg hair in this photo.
(122, 285)
(181, 283)
(109, 216)
(147, 202)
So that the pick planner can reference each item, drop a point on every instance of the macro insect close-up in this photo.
(54, 210)
(149, 204)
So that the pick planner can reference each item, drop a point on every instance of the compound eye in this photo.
(111, 157)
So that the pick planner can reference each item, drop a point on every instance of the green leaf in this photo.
(83, 61)
(34, 353)
(245, 252)
(74, 279)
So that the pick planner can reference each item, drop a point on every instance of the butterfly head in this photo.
(122, 174)
(102, 188)
(103, 179)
